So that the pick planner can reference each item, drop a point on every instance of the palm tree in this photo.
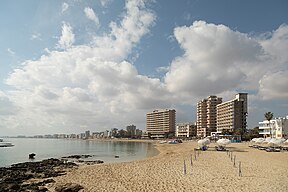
(269, 116)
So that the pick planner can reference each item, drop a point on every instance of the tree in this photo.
(226, 132)
(251, 133)
(269, 116)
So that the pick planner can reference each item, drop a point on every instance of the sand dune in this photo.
(211, 171)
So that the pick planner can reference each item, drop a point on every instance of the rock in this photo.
(77, 156)
(93, 162)
(12, 178)
(32, 156)
(68, 187)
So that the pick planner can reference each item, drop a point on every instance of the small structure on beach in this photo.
(203, 144)
(221, 144)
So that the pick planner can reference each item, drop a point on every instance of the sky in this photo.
(71, 66)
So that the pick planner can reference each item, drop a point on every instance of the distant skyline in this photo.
(71, 66)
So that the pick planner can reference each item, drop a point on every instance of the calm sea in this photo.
(57, 148)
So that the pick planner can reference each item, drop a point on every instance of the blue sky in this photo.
(68, 66)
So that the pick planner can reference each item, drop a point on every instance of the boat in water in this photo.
(5, 144)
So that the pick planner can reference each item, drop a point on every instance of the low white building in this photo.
(279, 128)
(185, 130)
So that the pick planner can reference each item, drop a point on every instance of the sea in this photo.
(104, 150)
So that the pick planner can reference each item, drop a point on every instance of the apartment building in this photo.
(186, 130)
(232, 115)
(278, 128)
(160, 123)
(207, 115)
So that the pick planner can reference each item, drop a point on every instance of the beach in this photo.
(210, 170)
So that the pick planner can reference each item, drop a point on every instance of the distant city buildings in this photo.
(232, 115)
(186, 130)
(161, 123)
(206, 116)
(278, 128)
(87, 134)
(131, 130)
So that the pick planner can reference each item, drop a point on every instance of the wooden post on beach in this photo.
(195, 155)
(184, 168)
(240, 171)
(234, 160)
(231, 156)
(191, 160)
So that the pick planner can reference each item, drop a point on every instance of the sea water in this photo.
(104, 150)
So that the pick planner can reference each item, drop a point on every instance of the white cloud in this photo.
(65, 7)
(10, 51)
(277, 44)
(67, 38)
(91, 15)
(86, 85)
(7, 106)
(274, 85)
(218, 59)
(105, 3)
(214, 59)
(36, 36)
(124, 36)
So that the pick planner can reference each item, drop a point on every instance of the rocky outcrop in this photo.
(13, 178)
(77, 156)
(68, 187)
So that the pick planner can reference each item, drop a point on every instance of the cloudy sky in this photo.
(70, 66)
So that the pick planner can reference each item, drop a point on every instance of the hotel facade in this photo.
(232, 115)
(160, 123)
(186, 130)
(207, 116)
(278, 128)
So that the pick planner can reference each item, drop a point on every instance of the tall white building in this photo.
(279, 128)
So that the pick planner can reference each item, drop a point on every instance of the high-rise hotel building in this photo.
(232, 115)
(161, 122)
(207, 116)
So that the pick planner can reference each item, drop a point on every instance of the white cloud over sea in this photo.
(96, 87)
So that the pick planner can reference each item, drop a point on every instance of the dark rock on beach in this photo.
(91, 162)
(77, 156)
(68, 187)
(16, 177)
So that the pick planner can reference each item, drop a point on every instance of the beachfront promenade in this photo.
(209, 171)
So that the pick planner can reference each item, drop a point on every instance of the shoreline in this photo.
(96, 154)
(211, 171)
(35, 175)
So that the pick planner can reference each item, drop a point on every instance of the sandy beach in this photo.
(210, 171)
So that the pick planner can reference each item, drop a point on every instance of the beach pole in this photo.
(234, 160)
(195, 155)
(184, 168)
(240, 171)
(191, 160)
(231, 156)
